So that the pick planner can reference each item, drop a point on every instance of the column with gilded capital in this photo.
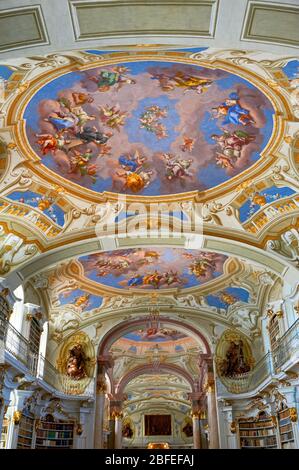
(196, 429)
(101, 388)
(212, 415)
(116, 416)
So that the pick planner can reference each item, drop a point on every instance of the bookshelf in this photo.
(25, 434)
(51, 434)
(286, 429)
(257, 432)
(4, 433)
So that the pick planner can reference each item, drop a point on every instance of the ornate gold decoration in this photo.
(233, 427)
(293, 415)
(79, 429)
(274, 421)
(77, 387)
(101, 386)
(17, 417)
(195, 414)
(288, 139)
(116, 414)
(232, 336)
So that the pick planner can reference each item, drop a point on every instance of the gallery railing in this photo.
(19, 347)
(61, 382)
(243, 383)
(288, 346)
(37, 365)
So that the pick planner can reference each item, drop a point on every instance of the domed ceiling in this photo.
(156, 268)
(148, 127)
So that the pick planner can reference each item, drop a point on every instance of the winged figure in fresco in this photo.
(112, 116)
(184, 81)
(188, 144)
(150, 120)
(200, 266)
(135, 173)
(79, 114)
(233, 112)
(232, 143)
(177, 167)
(80, 163)
(224, 162)
(51, 143)
(108, 78)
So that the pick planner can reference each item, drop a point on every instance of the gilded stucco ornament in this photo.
(17, 415)
(293, 415)
(76, 362)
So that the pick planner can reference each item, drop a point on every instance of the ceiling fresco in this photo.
(156, 268)
(148, 127)
(157, 335)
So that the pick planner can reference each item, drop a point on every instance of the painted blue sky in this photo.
(70, 298)
(188, 114)
(239, 293)
(118, 268)
(271, 194)
(31, 198)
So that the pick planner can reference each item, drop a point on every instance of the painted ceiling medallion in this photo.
(148, 127)
(157, 268)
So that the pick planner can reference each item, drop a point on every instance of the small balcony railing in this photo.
(288, 346)
(37, 365)
(243, 383)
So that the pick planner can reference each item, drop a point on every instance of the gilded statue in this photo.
(235, 362)
(76, 363)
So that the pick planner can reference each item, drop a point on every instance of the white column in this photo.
(99, 419)
(118, 431)
(196, 430)
(212, 417)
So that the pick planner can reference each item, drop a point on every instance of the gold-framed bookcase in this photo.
(52, 433)
(258, 432)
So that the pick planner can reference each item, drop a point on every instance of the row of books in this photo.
(55, 426)
(255, 424)
(285, 428)
(287, 437)
(54, 434)
(259, 432)
(56, 443)
(284, 414)
(267, 442)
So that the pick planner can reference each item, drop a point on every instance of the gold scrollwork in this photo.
(233, 427)
(293, 415)
(17, 417)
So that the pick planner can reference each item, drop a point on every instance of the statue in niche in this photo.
(76, 363)
(127, 431)
(188, 429)
(235, 362)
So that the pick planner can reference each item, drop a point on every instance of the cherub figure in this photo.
(135, 175)
(51, 143)
(112, 116)
(176, 167)
(188, 144)
(80, 162)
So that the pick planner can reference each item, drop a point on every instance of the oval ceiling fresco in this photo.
(157, 268)
(149, 127)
